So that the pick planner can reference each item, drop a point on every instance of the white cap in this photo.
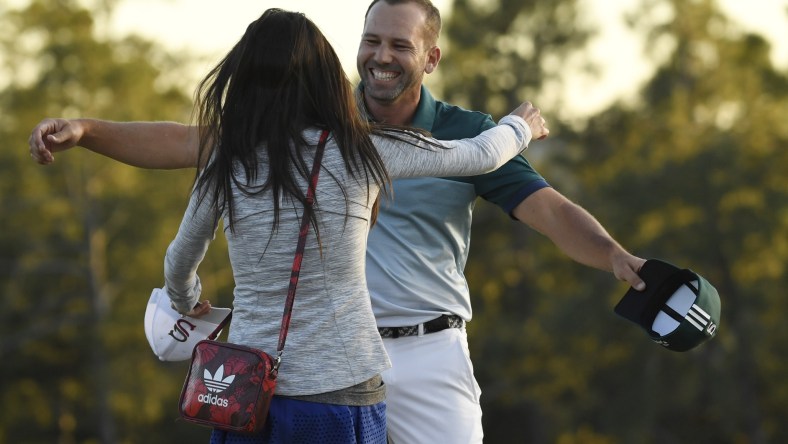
(172, 336)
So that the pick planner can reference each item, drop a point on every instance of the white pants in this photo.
(431, 393)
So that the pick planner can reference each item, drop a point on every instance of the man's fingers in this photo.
(57, 138)
(37, 142)
(638, 284)
(38, 149)
(634, 280)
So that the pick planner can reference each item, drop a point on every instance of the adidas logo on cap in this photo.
(679, 309)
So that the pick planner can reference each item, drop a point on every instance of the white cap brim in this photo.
(172, 336)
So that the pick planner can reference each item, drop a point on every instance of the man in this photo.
(417, 251)
(418, 248)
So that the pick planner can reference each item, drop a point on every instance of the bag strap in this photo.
(299, 255)
(215, 333)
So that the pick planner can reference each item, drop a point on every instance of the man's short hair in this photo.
(433, 19)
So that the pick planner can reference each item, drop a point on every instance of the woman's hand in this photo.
(533, 117)
(201, 309)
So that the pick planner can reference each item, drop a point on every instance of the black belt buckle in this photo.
(437, 324)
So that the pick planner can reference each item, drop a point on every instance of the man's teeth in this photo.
(383, 75)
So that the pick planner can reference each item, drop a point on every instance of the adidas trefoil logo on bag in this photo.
(215, 383)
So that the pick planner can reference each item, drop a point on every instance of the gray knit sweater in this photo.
(333, 342)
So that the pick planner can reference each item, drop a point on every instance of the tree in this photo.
(82, 241)
(708, 192)
(694, 174)
(500, 51)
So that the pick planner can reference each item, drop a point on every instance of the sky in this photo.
(211, 27)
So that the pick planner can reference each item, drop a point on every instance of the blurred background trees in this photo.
(82, 243)
(692, 172)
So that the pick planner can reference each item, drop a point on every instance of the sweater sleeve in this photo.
(467, 157)
(186, 252)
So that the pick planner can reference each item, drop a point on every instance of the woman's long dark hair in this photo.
(281, 78)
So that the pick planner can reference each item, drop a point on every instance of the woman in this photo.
(261, 111)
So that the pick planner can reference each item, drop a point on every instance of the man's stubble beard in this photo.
(384, 95)
(390, 95)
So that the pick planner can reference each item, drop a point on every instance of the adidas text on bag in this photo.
(228, 387)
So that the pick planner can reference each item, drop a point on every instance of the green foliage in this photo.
(499, 51)
(82, 241)
(694, 174)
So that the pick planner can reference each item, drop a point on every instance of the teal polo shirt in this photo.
(417, 250)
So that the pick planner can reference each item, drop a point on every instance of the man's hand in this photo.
(533, 117)
(626, 267)
(51, 136)
(578, 234)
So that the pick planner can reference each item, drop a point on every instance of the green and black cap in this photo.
(679, 309)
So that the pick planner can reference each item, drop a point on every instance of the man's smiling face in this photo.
(393, 54)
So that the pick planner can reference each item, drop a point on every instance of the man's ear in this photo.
(433, 58)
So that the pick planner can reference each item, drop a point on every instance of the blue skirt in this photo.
(294, 421)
